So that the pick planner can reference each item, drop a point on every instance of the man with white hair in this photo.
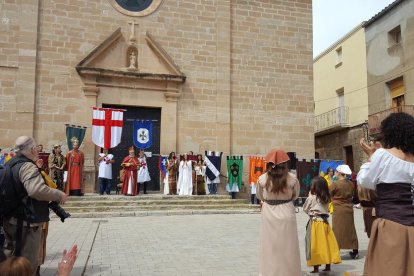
(23, 229)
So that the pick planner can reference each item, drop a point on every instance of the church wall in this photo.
(186, 30)
(271, 88)
(18, 37)
(248, 66)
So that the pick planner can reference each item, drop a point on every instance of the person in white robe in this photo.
(185, 177)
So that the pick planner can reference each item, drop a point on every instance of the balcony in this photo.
(331, 121)
(374, 120)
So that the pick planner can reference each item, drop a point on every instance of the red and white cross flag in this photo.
(107, 127)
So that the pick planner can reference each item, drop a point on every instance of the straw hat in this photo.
(277, 157)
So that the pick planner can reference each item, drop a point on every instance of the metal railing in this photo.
(335, 118)
(374, 120)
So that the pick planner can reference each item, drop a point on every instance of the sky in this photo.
(332, 19)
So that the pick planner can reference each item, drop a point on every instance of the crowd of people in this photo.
(185, 175)
(386, 191)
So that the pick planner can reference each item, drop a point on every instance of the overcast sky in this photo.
(332, 19)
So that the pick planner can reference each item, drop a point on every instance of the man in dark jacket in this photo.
(39, 194)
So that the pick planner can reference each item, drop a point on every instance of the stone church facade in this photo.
(227, 75)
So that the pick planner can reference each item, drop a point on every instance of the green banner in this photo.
(235, 171)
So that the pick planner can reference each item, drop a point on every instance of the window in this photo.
(340, 93)
(340, 115)
(397, 90)
(338, 57)
(394, 36)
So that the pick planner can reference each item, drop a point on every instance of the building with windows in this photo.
(361, 79)
(231, 76)
(390, 62)
(341, 99)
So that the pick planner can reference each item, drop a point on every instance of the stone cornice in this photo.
(91, 71)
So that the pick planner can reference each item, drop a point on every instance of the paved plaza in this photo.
(174, 245)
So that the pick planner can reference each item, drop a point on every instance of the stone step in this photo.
(94, 205)
(161, 213)
(96, 197)
(171, 201)
(85, 209)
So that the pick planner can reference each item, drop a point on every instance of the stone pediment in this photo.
(118, 57)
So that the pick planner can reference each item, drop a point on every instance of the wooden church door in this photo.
(131, 114)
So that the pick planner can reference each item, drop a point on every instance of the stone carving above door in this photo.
(127, 63)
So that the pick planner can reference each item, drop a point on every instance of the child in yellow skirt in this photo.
(320, 242)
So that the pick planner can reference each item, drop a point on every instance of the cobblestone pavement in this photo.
(174, 245)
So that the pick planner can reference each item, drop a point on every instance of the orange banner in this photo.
(257, 168)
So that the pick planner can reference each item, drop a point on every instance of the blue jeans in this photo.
(104, 185)
(214, 188)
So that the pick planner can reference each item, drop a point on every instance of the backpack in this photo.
(13, 197)
(12, 194)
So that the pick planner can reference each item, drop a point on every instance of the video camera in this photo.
(59, 211)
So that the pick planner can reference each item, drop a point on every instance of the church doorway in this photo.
(131, 114)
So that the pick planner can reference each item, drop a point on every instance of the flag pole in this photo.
(108, 108)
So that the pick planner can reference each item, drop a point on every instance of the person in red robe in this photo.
(130, 165)
(75, 160)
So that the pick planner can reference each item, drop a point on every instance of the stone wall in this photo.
(271, 88)
(331, 146)
(18, 39)
(387, 60)
(248, 67)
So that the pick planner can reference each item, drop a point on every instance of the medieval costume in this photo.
(321, 244)
(185, 179)
(75, 160)
(171, 176)
(130, 165)
(57, 163)
(105, 172)
(279, 239)
(45, 226)
(390, 249)
(143, 173)
(329, 179)
(343, 215)
(200, 172)
(367, 200)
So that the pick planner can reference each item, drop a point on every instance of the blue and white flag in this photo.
(213, 164)
(142, 134)
(162, 162)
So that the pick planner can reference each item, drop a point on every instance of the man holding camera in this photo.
(23, 232)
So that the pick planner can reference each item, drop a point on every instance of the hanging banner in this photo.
(325, 164)
(162, 161)
(142, 134)
(107, 126)
(213, 163)
(305, 172)
(74, 131)
(235, 171)
(257, 168)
